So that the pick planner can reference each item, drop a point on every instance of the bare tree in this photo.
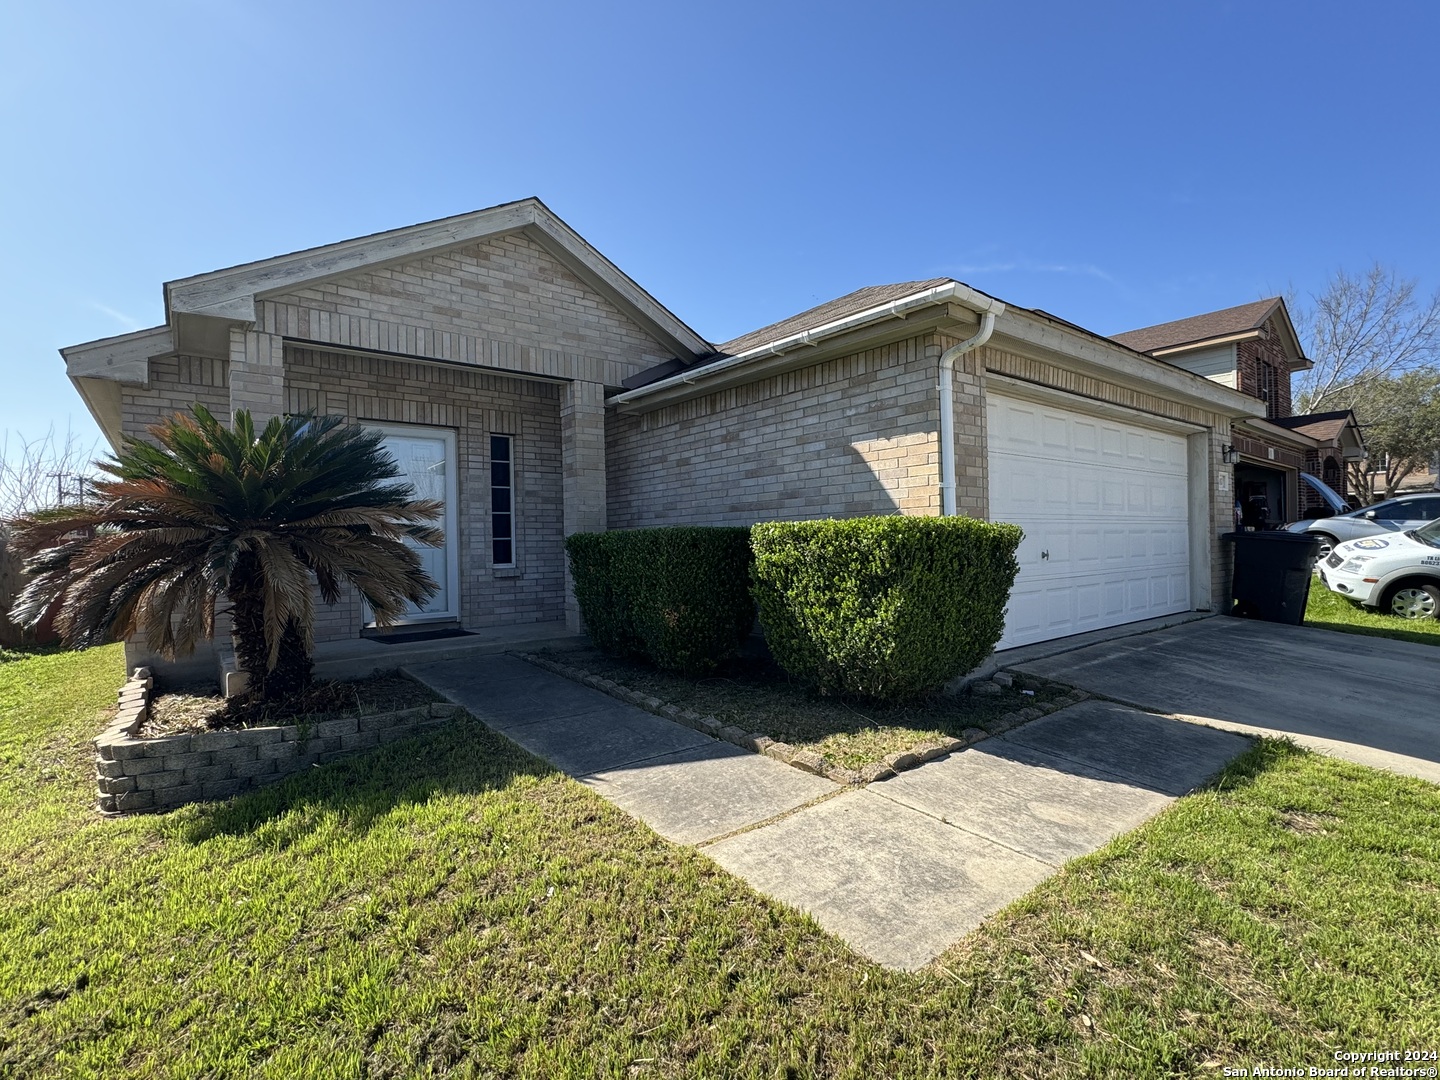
(1362, 327)
(47, 471)
(1400, 416)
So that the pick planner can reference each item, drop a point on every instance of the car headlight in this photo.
(1353, 565)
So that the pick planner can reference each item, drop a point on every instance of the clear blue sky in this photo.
(1118, 164)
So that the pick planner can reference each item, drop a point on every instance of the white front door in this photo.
(426, 457)
(1105, 508)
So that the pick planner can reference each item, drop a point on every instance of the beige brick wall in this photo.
(503, 303)
(475, 405)
(849, 436)
(176, 383)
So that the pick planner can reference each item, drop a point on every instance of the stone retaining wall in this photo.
(162, 773)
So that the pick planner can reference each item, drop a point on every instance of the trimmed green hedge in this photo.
(678, 596)
(883, 607)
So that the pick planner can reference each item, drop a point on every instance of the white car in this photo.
(1397, 572)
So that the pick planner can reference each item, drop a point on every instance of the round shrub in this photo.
(883, 607)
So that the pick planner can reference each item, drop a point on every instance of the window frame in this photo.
(511, 514)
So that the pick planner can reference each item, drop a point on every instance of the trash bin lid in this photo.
(1277, 536)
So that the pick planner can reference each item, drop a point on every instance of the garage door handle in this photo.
(1044, 554)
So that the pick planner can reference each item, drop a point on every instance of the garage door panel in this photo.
(1109, 503)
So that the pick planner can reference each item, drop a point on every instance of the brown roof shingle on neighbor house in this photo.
(1197, 328)
(1323, 426)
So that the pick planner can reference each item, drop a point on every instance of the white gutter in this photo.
(896, 309)
(947, 399)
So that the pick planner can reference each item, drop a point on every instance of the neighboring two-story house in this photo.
(1254, 349)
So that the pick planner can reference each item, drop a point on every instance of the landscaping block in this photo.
(135, 800)
(181, 762)
(116, 785)
(902, 761)
(809, 761)
(156, 780)
(204, 774)
(124, 751)
(244, 769)
(264, 736)
(139, 766)
(109, 768)
(169, 746)
(335, 728)
(279, 751)
(214, 740)
(360, 740)
(223, 789)
(236, 755)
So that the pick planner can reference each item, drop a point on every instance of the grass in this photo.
(1331, 611)
(450, 906)
(757, 696)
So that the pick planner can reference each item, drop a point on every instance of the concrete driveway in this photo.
(1370, 700)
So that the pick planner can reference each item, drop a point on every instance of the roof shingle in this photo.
(1213, 324)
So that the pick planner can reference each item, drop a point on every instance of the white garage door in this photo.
(1106, 517)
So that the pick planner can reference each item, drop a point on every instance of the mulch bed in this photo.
(202, 709)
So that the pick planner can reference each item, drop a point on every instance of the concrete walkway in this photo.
(1371, 700)
(900, 870)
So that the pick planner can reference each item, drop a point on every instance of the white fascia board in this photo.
(951, 292)
(230, 294)
(125, 358)
(1113, 361)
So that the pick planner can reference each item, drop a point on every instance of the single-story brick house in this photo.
(527, 381)
(1253, 348)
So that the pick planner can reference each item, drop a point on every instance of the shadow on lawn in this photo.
(464, 757)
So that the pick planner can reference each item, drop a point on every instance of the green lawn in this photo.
(1331, 611)
(450, 906)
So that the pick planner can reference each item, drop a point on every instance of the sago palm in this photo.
(207, 513)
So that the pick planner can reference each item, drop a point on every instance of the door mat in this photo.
(423, 635)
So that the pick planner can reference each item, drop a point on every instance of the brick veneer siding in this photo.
(1251, 356)
(475, 405)
(849, 436)
(176, 383)
(503, 303)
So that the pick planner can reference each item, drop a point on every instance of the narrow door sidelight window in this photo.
(502, 500)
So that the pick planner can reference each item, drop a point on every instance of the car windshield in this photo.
(1429, 534)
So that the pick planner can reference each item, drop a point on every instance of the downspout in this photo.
(947, 403)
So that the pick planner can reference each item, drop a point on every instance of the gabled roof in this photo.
(1323, 426)
(1201, 328)
(849, 304)
(231, 293)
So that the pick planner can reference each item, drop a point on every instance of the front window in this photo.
(1429, 534)
(502, 500)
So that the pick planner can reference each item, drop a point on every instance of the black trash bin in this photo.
(1272, 575)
